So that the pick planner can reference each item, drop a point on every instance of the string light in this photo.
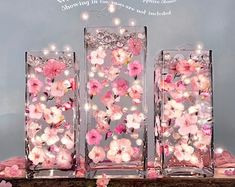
(67, 48)
(87, 107)
(53, 47)
(66, 72)
(219, 150)
(45, 52)
(85, 16)
(111, 7)
(132, 22)
(116, 21)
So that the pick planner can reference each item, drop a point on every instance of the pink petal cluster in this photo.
(64, 159)
(185, 67)
(120, 56)
(120, 87)
(58, 89)
(50, 136)
(97, 154)
(120, 150)
(13, 171)
(134, 120)
(34, 86)
(115, 112)
(103, 181)
(173, 109)
(93, 137)
(97, 57)
(135, 68)
(135, 46)
(36, 155)
(36, 111)
(53, 115)
(53, 68)
(183, 152)
(94, 87)
(3, 183)
(136, 92)
(119, 129)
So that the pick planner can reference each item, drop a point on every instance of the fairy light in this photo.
(139, 142)
(42, 98)
(94, 107)
(53, 47)
(85, 16)
(114, 137)
(111, 8)
(116, 21)
(133, 108)
(69, 55)
(45, 52)
(219, 150)
(91, 74)
(67, 48)
(101, 74)
(122, 31)
(132, 22)
(66, 72)
(87, 107)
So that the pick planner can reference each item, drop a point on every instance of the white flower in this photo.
(134, 120)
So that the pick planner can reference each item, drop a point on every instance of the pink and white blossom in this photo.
(68, 140)
(36, 111)
(115, 112)
(64, 159)
(185, 67)
(97, 57)
(97, 154)
(135, 68)
(120, 87)
(103, 181)
(183, 152)
(120, 150)
(136, 92)
(173, 109)
(135, 46)
(50, 136)
(134, 120)
(58, 89)
(53, 115)
(120, 56)
(93, 137)
(34, 86)
(53, 68)
(37, 155)
(94, 87)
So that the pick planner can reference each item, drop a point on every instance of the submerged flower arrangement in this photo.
(115, 92)
(50, 111)
(184, 97)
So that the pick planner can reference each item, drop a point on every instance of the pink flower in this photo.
(58, 89)
(68, 140)
(134, 120)
(121, 128)
(5, 184)
(172, 109)
(115, 112)
(185, 67)
(187, 124)
(64, 159)
(103, 181)
(135, 46)
(135, 68)
(167, 84)
(32, 129)
(50, 136)
(202, 140)
(37, 155)
(112, 73)
(94, 87)
(53, 68)
(97, 56)
(120, 87)
(93, 137)
(97, 154)
(108, 98)
(201, 83)
(120, 57)
(49, 161)
(53, 115)
(135, 92)
(120, 150)
(183, 152)
(36, 111)
(101, 116)
(103, 127)
(13, 171)
(34, 86)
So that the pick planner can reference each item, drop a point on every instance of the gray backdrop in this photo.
(27, 25)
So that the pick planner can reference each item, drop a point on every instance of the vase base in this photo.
(116, 173)
(52, 173)
(188, 172)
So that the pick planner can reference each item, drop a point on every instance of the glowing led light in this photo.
(53, 47)
(139, 142)
(85, 16)
(45, 52)
(87, 107)
(67, 48)
(111, 8)
(122, 31)
(42, 98)
(66, 72)
(101, 74)
(94, 107)
(219, 150)
(116, 21)
(115, 137)
(91, 74)
(132, 22)
(133, 108)
(69, 55)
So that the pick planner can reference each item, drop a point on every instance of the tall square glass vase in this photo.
(51, 117)
(116, 101)
(184, 113)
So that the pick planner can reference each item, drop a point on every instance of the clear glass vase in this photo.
(116, 101)
(184, 113)
(51, 116)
